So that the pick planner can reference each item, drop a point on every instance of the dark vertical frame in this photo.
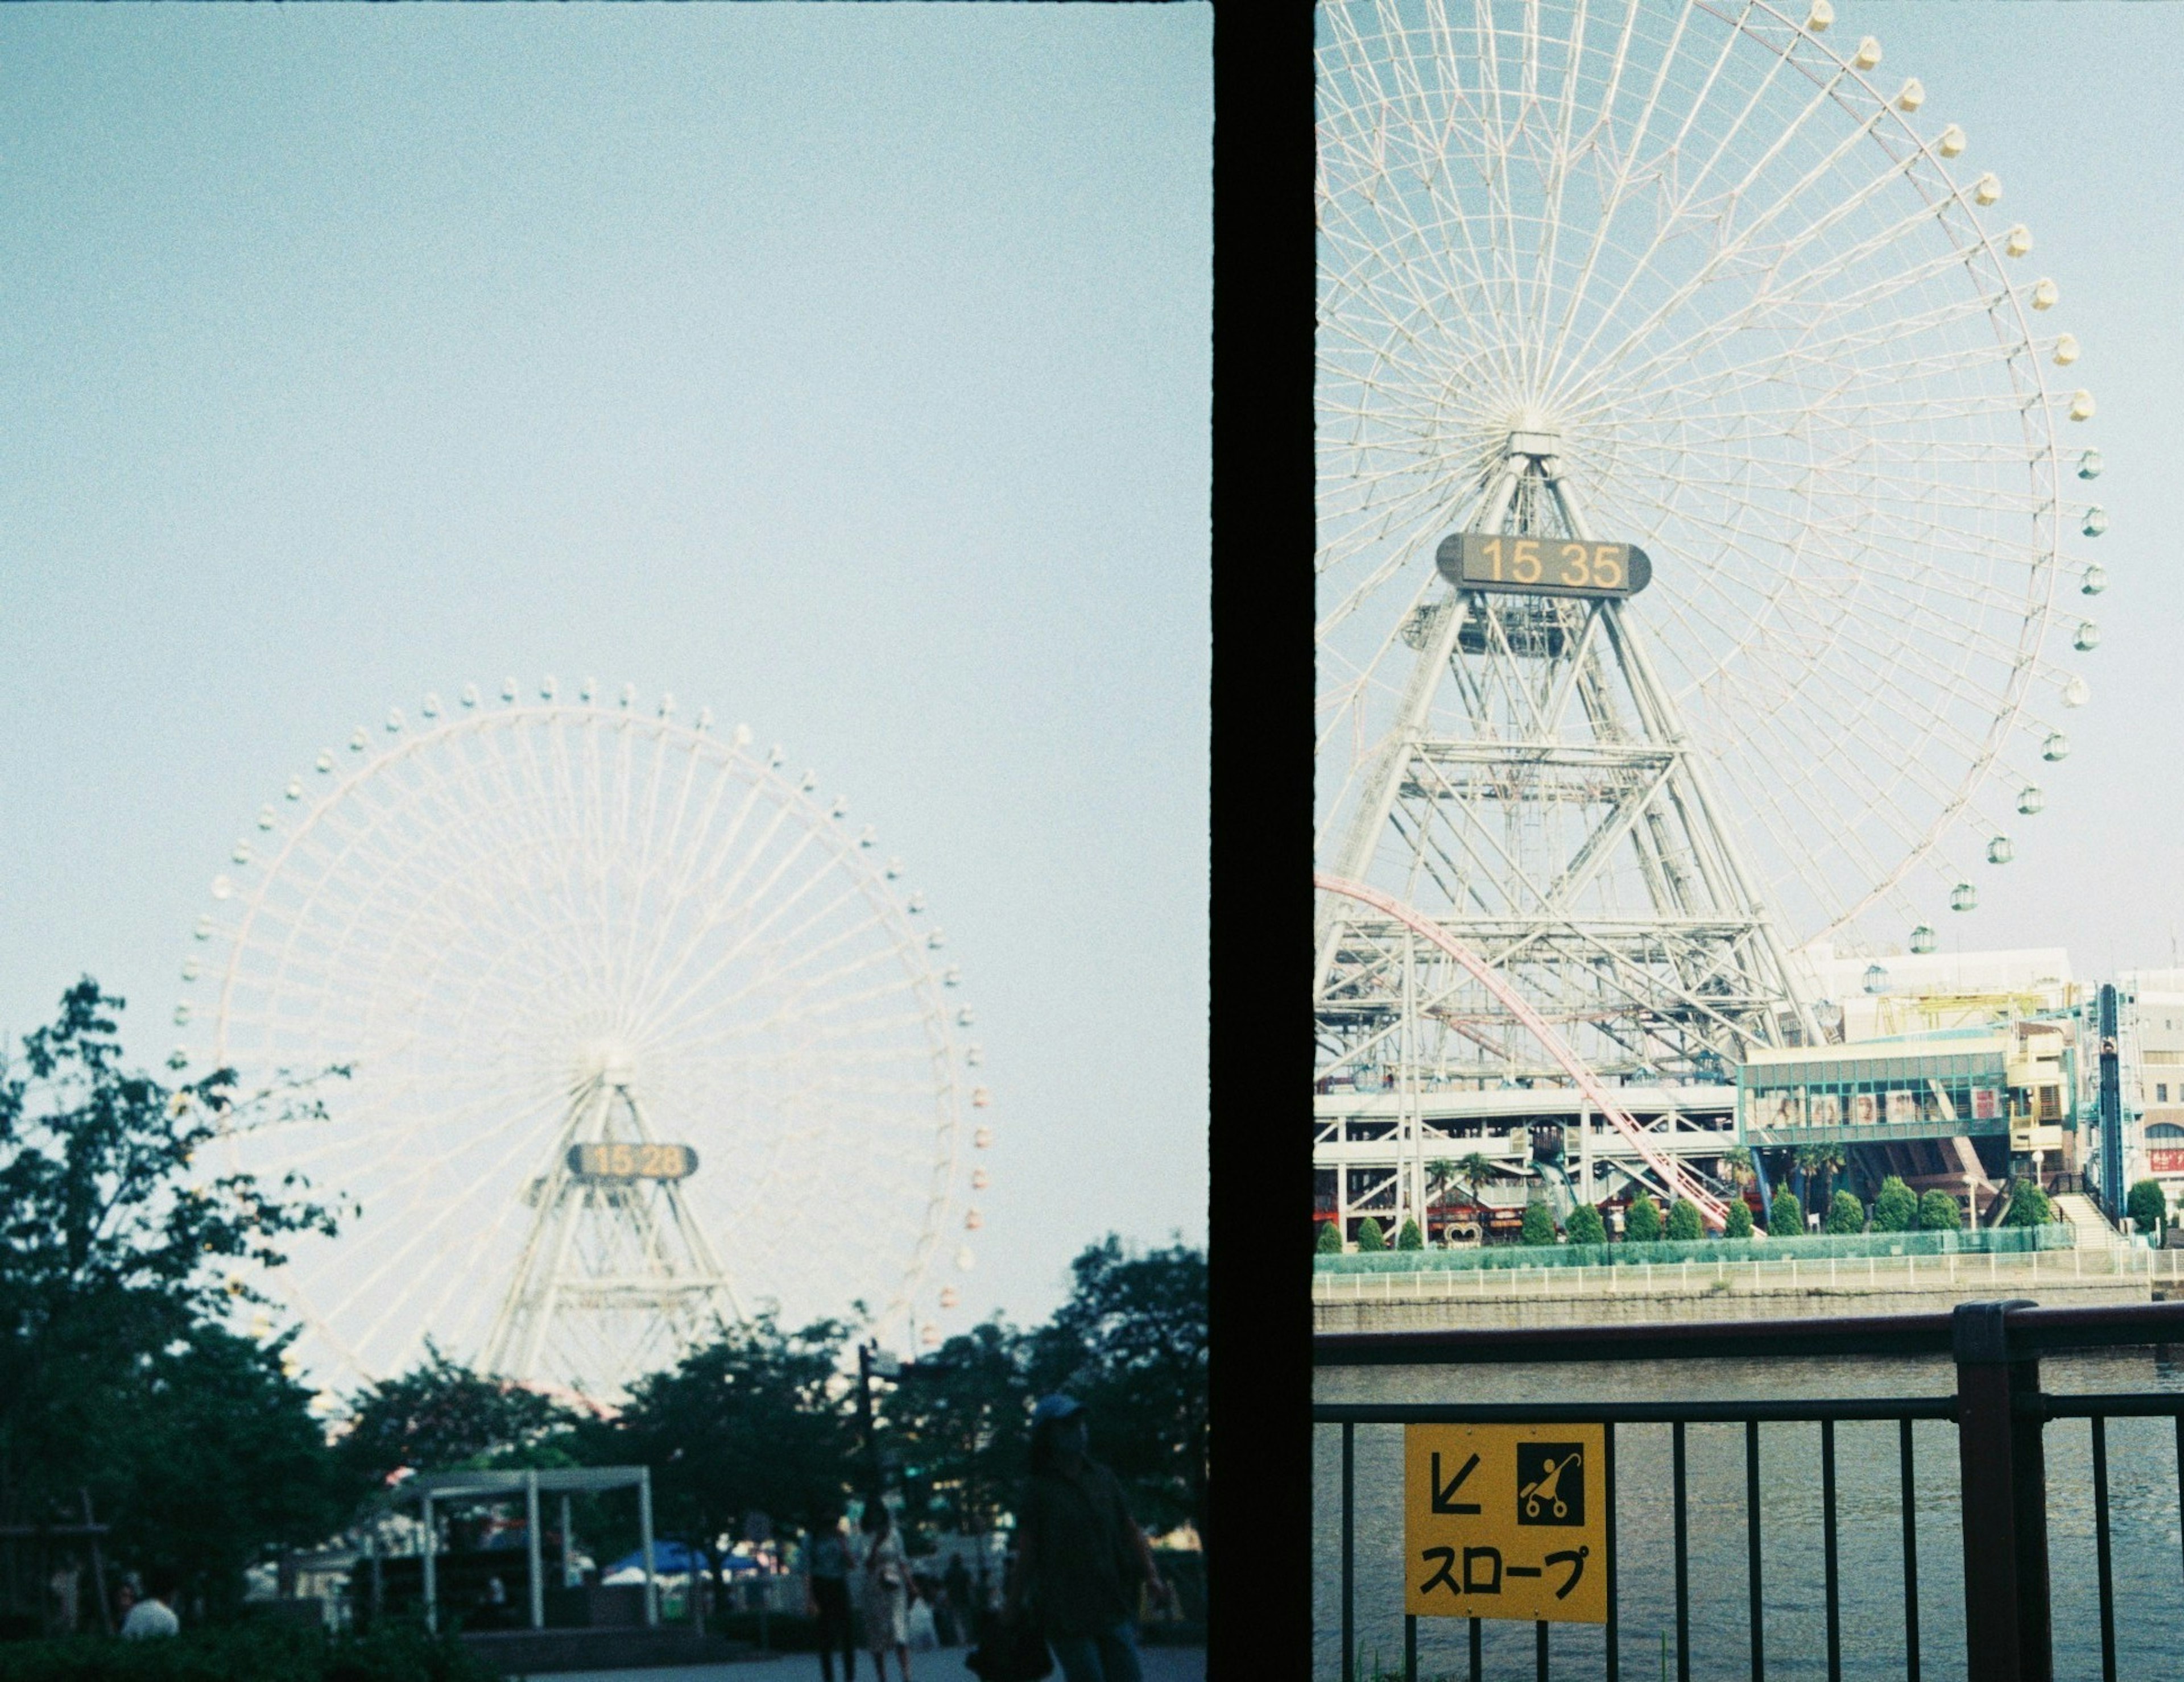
(1259, 874)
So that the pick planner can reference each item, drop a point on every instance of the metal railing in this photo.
(1999, 1410)
(1956, 1272)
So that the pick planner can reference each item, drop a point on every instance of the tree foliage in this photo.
(1845, 1214)
(1684, 1222)
(2146, 1205)
(1329, 1241)
(441, 1414)
(1939, 1212)
(959, 1426)
(1584, 1225)
(1131, 1344)
(1641, 1222)
(2028, 1205)
(118, 1250)
(758, 1419)
(1409, 1237)
(1370, 1239)
(1786, 1215)
(1895, 1207)
(1539, 1224)
(1739, 1224)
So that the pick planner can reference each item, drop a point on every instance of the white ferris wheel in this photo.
(1707, 279)
(642, 1040)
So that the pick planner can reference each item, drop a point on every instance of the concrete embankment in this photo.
(1588, 1296)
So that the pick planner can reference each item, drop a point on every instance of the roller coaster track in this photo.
(1675, 1179)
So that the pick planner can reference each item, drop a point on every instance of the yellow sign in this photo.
(1506, 1521)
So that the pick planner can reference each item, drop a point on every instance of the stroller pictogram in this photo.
(1549, 1483)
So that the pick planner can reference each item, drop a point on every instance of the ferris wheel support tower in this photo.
(1568, 835)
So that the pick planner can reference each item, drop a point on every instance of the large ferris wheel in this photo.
(641, 1038)
(1698, 285)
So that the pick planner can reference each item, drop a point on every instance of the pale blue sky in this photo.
(843, 369)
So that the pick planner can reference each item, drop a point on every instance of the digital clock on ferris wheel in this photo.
(1542, 566)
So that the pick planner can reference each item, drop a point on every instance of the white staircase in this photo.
(2089, 1228)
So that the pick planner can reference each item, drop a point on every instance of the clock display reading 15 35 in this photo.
(1545, 567)
(624, 1160)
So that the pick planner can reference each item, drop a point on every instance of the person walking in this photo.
(826, 1596)
(155, 1616)
(886, 1590)
(1080, 1556)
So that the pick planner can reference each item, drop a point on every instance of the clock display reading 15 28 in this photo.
(625, 1161)
(1547, 566)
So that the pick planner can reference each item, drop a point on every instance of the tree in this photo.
(1786, 1215)
(1738, 1161)
(1584, 1225)
(1739, 1224)
(1939, 1212)
(963, 1423)
(2028, 1205)
(219, 1459)
(112, 1247)
(1821, 1162)
(1539, 1224)
(1131, 1344)
(440, 1415)
(1409, 1237)
(1895, 1207)
(1370, 1239)
(1641, 1224)
(1477, 1172)
(1845, 1214)
(1329, 1241)
(1684, 1222)
(2147, 1208)
(756, 1419)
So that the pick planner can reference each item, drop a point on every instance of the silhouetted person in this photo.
(1080, 1556)
(827, 1575)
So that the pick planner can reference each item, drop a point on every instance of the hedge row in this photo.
(255, 1651)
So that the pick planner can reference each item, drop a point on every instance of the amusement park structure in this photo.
(1694, 513)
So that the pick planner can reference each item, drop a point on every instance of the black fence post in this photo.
(2004, 1480)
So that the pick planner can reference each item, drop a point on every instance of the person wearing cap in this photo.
(1080, 1556)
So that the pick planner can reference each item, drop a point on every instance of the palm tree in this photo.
(1824, 1160)
(1476, 1171)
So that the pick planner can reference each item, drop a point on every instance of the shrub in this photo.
(2146, 1205)
(1786, 1215)
(1938, 1213)
(2028, 1206)
(1845, 1214)
(257, 1650)
(1740, 1219)
(1896, 1208)
(1642, 1224)
(1584, 1225)
(1684, 1222)
(1329, 1241)
(1370, 1239)
(1539, 1224)
(1410, 1238)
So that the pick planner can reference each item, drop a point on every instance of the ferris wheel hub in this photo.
(608, 1062)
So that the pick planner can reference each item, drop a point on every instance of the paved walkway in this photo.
(1160, 1664)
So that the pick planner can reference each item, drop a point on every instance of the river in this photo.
(2142, 1496)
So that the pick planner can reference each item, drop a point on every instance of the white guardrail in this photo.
(1906, 1272)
